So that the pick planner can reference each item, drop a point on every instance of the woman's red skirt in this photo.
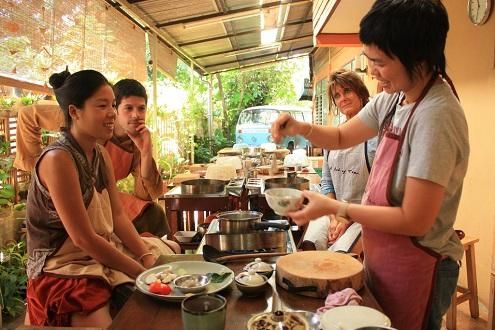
(52, 300)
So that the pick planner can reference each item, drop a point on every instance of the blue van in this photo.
(254, 124)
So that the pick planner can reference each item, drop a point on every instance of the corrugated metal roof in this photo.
(219, 35)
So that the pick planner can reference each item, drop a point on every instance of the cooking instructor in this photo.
(410, 203)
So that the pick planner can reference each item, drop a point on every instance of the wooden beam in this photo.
(18, 83)
(234, 12)
(232, 35)
(253, 57)
(256, 65)
(233, 51)
(338, 40)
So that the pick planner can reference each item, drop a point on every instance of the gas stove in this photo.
(251, 242)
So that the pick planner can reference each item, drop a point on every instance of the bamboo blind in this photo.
(38, 38)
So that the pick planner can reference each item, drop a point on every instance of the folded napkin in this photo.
(347, 296)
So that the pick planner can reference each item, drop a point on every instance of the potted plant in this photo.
(10, 222)
(6, 104)
(13, 279)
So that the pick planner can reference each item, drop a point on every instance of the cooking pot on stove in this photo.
(202, 186)
(238, 222)
(291, 182)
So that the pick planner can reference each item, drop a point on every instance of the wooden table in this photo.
(144, 312)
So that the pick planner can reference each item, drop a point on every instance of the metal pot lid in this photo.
(203, 182)
(259, 266)
(240, 215)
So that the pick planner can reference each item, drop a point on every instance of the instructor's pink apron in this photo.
(399, 271)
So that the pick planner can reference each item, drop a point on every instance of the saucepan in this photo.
(238, 222)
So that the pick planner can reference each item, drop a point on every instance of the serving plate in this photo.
(352, 317)
(183, 268)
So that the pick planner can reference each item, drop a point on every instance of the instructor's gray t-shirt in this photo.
(436, 148)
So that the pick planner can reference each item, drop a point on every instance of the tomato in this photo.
(159, 288)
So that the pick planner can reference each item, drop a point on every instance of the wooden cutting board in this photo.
(317, 273)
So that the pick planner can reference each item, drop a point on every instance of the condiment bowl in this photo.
(192, 283)
(283, 200)
(251, 288)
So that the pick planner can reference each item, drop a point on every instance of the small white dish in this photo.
(353, 317)
(191, 283)
(283, 200)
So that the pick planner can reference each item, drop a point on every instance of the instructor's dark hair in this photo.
(414, 31)
(75, 89)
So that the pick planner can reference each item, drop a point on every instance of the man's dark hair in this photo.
(414, 31)
(129, 87)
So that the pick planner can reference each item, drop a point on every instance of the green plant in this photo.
(29, 99)
(126, 185)
(46, 136)
(205, 148)
(6, 190)
(6, 102)
(13, 279)
(170, 165)
(4, 145)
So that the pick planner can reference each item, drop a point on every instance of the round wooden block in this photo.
(317, 273)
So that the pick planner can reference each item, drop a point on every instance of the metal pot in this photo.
(202, 186)
(238, 222)
(293, 182)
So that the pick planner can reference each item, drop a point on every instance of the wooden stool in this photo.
(491, 306)
(471, 292)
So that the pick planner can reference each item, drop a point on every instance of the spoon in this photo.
(212, 254)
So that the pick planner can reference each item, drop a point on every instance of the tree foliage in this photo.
(232, 92)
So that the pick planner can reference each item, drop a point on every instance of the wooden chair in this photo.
(471, 292)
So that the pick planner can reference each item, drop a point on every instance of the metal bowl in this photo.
(296, 183)
(202, 186)
(192, 283)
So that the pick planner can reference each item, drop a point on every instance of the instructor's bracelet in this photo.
(144, 255)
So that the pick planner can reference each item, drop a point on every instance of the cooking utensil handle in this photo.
(249, 256)
(292, 288)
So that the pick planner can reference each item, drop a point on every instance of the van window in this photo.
(258, 116)
(253, 126)
(299, 116)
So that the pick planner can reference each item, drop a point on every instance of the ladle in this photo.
(212, 254)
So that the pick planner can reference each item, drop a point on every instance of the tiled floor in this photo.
(464, 320)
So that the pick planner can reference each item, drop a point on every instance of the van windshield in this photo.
(258, 116)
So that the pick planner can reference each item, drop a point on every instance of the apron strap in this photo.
(368, 165)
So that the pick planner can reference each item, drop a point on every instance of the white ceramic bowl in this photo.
(251, 284)
(184, 236)
(283, 200)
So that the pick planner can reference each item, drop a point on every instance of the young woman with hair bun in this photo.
(81, 245)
